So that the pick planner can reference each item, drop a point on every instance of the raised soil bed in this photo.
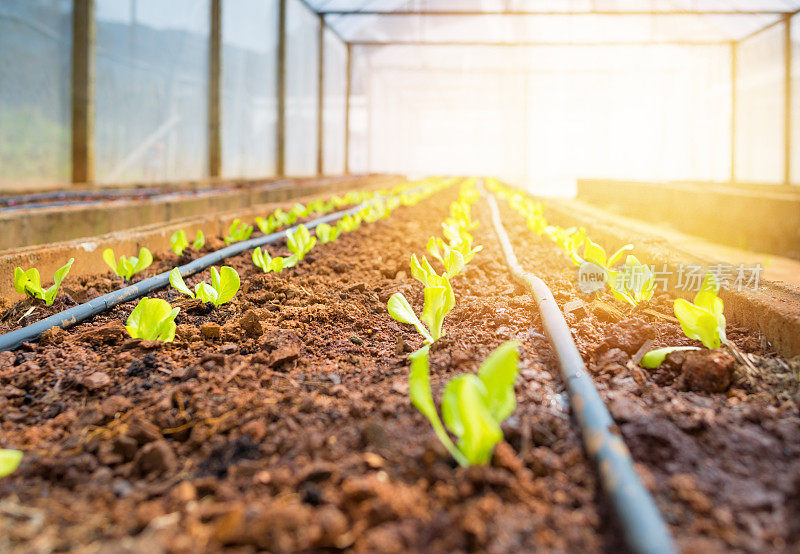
(281, 421)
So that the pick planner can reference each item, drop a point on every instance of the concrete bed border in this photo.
(87, 251)
(41, 226)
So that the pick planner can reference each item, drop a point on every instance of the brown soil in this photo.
(281, 421)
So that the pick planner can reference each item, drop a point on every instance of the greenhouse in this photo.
(399, 276)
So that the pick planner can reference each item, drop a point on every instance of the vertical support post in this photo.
(321, 95)
(787, 100)
(280, 127)
(369, 93)
(734, 53)
(348, 90)
(82, 93)
(214, 91)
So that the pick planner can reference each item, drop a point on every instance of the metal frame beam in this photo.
(787, 100)
(734, 71)
(478, 13)
(82, 95)
(347, 93)
(214, 90)
(535, 43)
(320, 96)
(280, 84)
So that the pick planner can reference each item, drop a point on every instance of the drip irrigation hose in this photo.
(76, 314)
(645, 530)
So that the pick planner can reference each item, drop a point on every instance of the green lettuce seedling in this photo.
(325, 233)
(238, 231)
(298, 211)
(224, 285)
(128, 267)
(703, 320)
(593, 252)
(473, 406)
(349, 223)
(152, 319)
(267, 264)
(267, 225)
(655, 358)
(9, 461)
(634, 283)
(178, 241)
(439, 301)
(199, 240)
(30, 284)
(451, 258)
(284, 218)
(300, 242)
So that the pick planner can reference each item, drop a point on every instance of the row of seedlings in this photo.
(633, 282)
(472, 406)
(154, 318)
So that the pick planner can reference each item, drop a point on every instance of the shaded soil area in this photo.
(281, 421)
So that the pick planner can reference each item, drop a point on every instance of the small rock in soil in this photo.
(53, 335)
(155, 458)
(708, 370)
(211, 330)
(114, 405)
(125, 446)
(143, 431)
(628, 335)
(111, 333)
(250, 324)
(96, 381)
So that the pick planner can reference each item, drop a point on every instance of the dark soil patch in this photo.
(281, 421)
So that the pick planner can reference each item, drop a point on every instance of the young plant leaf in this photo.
(177, 282)
(178, 241)
(703, 320)
(268, 225)
(9, 461)
(238, 231)
(498, 373)
(421, 271)
(206, 293)
(401, 311)
(655, 358)
(199, 240)
(467, 415)
(152, 319)
(127, 267)
(300, 242)
(143, 261)
(326, 233)
(61, 273)
(419, 389)
(227, 285)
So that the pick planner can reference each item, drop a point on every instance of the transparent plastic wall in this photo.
(760, 107)
(301, 89)
(334, 103)
(151, 90)
(35, 46)
(249, 50)
(549, 114)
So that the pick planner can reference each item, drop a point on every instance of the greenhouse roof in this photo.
(546, 22)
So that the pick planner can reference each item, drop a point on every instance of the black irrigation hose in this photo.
(645, 530)
(74, 315)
